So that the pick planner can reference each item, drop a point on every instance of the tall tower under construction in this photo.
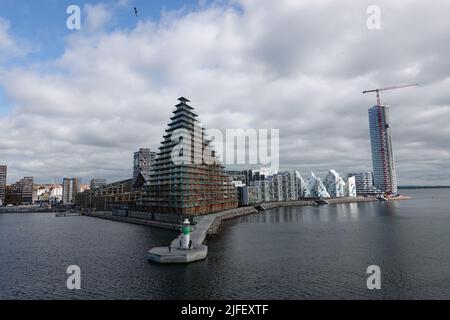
(186, 179)
(384, 174)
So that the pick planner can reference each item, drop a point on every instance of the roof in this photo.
(183, 99)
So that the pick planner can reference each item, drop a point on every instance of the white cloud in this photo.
(294, 65)
(97, 17)
(123, 3)
(9, 46)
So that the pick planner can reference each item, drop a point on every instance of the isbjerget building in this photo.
(186, 179)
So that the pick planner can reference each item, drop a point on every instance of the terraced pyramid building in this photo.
(186, 178)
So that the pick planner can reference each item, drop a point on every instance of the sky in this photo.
(78, 103)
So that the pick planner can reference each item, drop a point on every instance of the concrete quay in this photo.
(350, 200)
(24, 209)
(270, 205)
(400, 197)
(107, 215)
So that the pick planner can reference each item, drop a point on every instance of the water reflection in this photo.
(353, 209)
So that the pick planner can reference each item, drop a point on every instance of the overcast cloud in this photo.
(297, 66)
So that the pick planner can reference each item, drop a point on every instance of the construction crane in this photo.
(388, 88)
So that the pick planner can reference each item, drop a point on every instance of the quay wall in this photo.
(212, 223)
(107, 215)
(217, 223)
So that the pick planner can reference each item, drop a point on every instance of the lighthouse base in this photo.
(177, 255)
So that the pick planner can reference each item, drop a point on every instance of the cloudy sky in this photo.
(79, 102)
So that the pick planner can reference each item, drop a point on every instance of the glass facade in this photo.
(384, 174)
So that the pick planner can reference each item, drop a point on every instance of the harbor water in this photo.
(284, 253)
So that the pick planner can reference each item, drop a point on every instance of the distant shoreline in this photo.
(423, 187)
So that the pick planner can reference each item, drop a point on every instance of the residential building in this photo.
(276, 187)
(97, 183)
(13, 195)
(119, 194)
(302, 187)
(48, 193)
(264, 187)
(246, 176)
(142, 163)
(70, 187)
(182, 182)
(20, 193)
(316, 187)
(27, 190)
(236, 175)
(55, 195)
(334, 184)
(384, 173)
(238, 183)
(3, 172)
(289, 186)
(350, 187)
(249, 195)
(364, 184)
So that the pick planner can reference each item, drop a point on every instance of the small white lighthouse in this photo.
(186, 234)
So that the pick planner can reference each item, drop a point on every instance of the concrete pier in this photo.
(198, 236)
(177, 255)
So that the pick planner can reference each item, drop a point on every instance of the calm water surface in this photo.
(284, 253)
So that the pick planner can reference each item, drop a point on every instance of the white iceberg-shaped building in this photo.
(302, 188)
(334, 184)
(316, 187)
(350, 187)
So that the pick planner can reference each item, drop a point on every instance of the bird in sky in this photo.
(135, 11)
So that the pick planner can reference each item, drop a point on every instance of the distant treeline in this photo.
(424, 187)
